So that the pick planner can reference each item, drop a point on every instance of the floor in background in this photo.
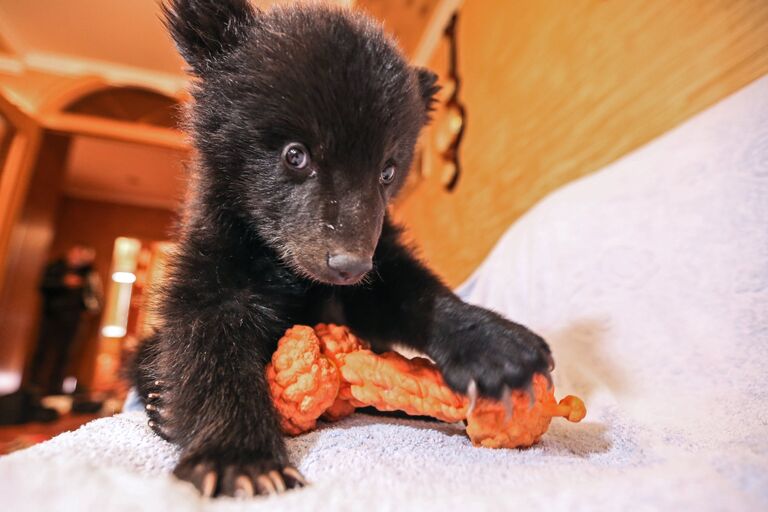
(16, 437)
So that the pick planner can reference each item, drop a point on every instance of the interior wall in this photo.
(405, 20)
(97, 224)
(30, 239)
(556, 90)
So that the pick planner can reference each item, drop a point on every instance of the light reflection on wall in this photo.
(115, 319)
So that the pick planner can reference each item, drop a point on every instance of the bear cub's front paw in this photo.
(492, 358)
(238, 479)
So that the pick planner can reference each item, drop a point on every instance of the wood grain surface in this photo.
(556, 90)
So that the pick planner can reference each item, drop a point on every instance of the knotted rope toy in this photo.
(327, 372)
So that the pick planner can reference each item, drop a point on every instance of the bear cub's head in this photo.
(305, 120)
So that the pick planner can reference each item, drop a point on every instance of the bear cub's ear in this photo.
(204, 30)
(428, 87)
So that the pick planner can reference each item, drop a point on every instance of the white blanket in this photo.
(650, 280)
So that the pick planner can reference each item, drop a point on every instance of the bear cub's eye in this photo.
(295, 155)
(388, 174)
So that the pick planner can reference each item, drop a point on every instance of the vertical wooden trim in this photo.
(16, 169)
(435, 31)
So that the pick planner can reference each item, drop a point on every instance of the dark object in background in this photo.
(84, 405)
(69, 287)
(23, 406)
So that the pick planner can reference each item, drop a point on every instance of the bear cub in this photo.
(304, 121)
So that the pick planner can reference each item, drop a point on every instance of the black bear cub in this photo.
(304, 121)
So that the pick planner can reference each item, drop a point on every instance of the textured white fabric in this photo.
(650, 280)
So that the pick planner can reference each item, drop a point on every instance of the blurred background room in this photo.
(535, 95)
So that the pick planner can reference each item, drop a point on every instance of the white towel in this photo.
(650, 280)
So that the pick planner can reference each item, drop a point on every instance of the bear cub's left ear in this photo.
(204, 30)
(428, 87)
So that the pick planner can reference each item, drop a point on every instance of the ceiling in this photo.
(121, 39)
(90, 30)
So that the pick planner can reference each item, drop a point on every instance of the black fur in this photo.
(256, 235)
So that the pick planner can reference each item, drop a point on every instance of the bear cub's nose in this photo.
(349, 267)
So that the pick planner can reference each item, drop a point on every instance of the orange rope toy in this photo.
(327, 372)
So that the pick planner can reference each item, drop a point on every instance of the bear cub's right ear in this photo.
(428, 88)
(204, 30)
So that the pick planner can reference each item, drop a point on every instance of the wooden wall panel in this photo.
(556, 90)
(97, 224)
(404, 19)
(30, 239)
